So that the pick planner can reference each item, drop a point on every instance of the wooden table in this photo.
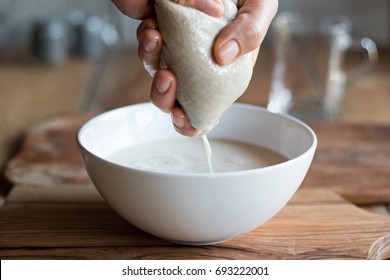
(53, 210)
(341, 210)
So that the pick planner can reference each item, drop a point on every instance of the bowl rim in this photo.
(310, 150)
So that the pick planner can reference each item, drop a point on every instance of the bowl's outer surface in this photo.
(196, 208)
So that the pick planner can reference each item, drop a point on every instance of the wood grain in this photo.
(380, 249)
(353, 160)
(49, 154)
(316, 224)
(53, 210)
(358, 171)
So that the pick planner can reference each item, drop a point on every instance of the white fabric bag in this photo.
(205, 90)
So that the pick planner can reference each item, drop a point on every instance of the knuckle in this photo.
(253, 34)
(256, 35)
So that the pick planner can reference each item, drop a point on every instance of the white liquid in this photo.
(208, 151)
(187, 155)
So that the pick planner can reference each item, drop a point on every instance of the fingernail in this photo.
(162, 85)
(149, 44)
(218, 3)
(218, 8)
(229, 51)
(179, 122)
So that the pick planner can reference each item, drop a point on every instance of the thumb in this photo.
(246, 32)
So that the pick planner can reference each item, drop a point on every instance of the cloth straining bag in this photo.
(205, 90)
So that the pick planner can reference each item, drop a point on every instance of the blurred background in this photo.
(72, 56)
(370, 18)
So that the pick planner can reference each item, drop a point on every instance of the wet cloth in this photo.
(205, 89)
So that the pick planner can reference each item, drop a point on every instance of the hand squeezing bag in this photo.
(205, 89)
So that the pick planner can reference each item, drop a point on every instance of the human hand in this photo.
(243, 35)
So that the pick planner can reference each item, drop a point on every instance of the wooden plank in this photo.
(316, 224)
(66, 193)
(382, 209)
(53, 211)
(49, 154)
(351, 159)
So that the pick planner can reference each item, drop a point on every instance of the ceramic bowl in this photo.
(196, 208)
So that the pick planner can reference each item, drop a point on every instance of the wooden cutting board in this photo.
(53, 210)
(41, 222)
(351, 159)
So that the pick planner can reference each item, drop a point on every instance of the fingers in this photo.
(149, 38)
(243, 35)
(246, 32)
(211, 7)
(181, 122)
(136, 9)
(149, 47)
(163, 92)
(163, 96)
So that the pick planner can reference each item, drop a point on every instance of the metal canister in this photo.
(50, 44)
(89, 38)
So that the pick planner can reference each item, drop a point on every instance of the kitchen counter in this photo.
(341, 211)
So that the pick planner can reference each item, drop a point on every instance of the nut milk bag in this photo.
(205, 89)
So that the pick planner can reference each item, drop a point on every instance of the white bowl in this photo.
(196, 208)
